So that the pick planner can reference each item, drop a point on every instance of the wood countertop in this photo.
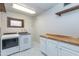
(62, 38)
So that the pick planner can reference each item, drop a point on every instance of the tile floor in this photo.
(34, 51)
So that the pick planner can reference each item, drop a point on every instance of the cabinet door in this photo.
(43, 44)
(66, 49)
(67, 52)
(51, 48)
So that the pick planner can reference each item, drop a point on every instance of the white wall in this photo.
(34, 30)
(47, 22)
(27, 22)
(67, 24)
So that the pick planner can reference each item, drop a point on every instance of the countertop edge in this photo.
(59, 40)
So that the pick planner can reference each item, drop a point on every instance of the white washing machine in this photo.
(25, 42)
(9, 44)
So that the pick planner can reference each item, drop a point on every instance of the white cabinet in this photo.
(67, 52)
(66, 49)
(25, 42)
(57, 48)
(43, 45)
(51, 47)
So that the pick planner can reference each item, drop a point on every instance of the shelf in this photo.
(67, 10)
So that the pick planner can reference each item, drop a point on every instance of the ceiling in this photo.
(38, 7)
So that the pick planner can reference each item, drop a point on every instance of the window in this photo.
(17, 23)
